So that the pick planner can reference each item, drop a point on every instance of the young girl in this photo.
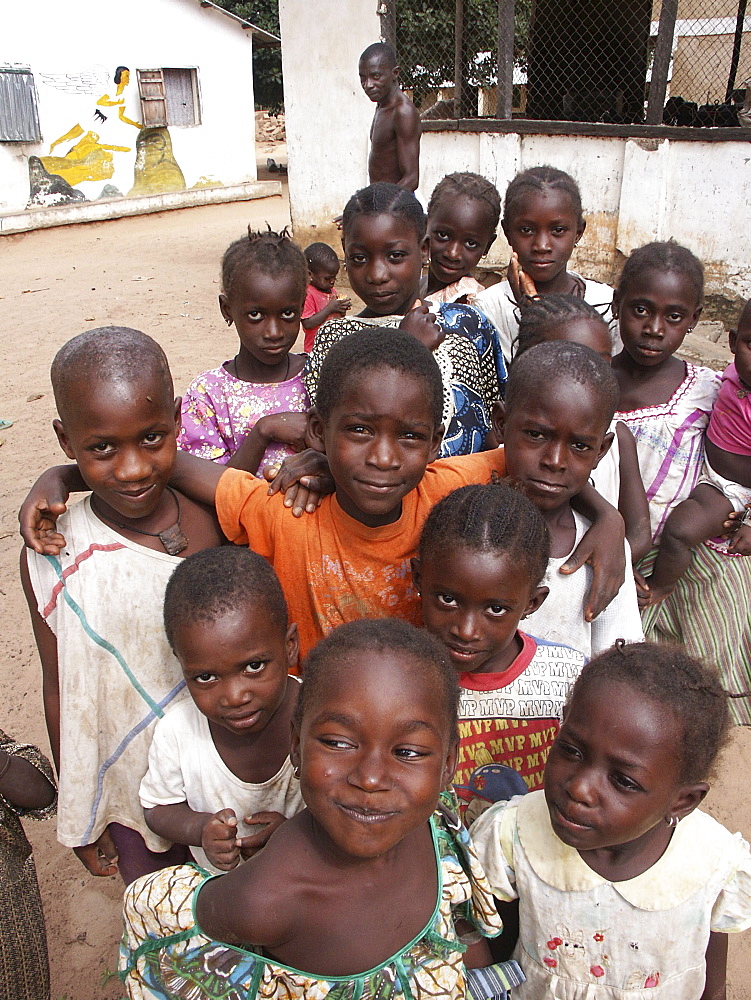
(221, 758)
(617, 477)
(367, 892)
(623, 885)
(543, 222)
(482, 558)
(463, 215)
(258, 394)
(385, 248)
(26, 788)
(666, 403)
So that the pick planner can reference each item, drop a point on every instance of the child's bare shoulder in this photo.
(199, 524)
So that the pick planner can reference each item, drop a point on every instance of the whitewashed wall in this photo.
(55, 38)
(328, 115)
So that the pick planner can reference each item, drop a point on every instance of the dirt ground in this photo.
(158, 273)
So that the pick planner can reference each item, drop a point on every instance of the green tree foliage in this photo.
(267, 61)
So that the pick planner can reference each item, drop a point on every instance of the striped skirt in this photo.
(710, 613)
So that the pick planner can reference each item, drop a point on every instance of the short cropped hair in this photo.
(374, 349)
(372, 638)
(385, 199)
(549, 363)
(108, 353)
(320, 255)
(382, 50)
(219, 581)
(268, 252)
(663, 256)
(684, 687)
(493, 518)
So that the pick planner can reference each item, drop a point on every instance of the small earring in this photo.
(672, 821)
(689, 329)
(229, 322)
(296, 772)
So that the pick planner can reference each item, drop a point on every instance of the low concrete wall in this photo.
(633, 191)
(98, 211)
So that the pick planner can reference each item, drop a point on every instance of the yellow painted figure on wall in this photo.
(89, 159)
(156, 170)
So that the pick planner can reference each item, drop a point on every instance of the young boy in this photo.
(221, 757)
(321, 298)
(395, 132)
(108, 672)
(552, 442)
(377, 420)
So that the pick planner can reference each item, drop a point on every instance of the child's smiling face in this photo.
(473, 602)
(460, 233)
(123, 435)
(384, 259)
(375, 749)
(378, 439)
(613, 774)
(236, 667)
(552, 443)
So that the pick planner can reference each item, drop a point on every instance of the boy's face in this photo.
(236, 668)
(553, 443)
(377, 78)
(124, 437)
(323, 277)
(378, 440)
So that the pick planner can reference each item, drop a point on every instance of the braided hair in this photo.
(492, 518)
(385, 199)
(268, 252)
(542, 179)
(539, 315)
(663, 256)
(684, 686)
(468, 185)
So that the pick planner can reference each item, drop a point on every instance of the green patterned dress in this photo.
(24, 970)
(165, 956)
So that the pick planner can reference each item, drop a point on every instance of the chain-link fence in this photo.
(681, 62)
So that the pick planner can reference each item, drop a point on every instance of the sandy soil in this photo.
(158, 273)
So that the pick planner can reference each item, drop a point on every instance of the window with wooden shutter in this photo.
(169, 96)
(19, 118)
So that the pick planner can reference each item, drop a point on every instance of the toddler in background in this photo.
(725, 482)
(220, 779)
(617, 476)
(321, 298)
(624, 886)
(482, 558)
(667, 403)
(463, 215)
(259, 394)
(96, 587)
(27, 788)
(543, 222)
(371, 875)
(553, 438)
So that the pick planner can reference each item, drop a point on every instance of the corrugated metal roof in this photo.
(260, 37)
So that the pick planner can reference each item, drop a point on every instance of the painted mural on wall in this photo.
(81, 154)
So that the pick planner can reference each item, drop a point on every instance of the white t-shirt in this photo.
(185, 766)
(561, 616)
(499, 305)
(606, 478)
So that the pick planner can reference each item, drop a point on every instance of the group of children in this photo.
(432, 610)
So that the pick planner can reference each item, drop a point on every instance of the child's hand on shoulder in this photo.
(39, 512)
(268, 821)
(304, 479)
(421, 323)
(219, 840)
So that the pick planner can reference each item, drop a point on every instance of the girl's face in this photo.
(655, 312)
(374, 751)
(384, 263)
(266, 312)
(459, 232)
(473, 602)
(236, 669)
(613, 775)
(740, 345)
(543, 230)
(591, 333)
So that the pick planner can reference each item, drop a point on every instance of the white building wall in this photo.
(327, 114)
(89, 37)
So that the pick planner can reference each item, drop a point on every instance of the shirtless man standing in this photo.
(395, 132)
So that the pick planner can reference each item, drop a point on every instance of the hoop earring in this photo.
(296, 772)
(229, 322)
(672, 821)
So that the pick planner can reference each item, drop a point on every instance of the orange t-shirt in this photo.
(332, 568)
